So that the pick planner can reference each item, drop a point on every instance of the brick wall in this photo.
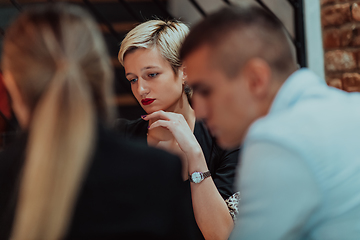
(341, 38)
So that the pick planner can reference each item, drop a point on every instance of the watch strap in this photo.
(206, 174)
(203, 176)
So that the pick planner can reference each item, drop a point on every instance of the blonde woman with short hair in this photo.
(150, 56)
(68, 176)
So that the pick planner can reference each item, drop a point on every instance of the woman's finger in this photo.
(159, 115)
(155, 115)
(160, 123)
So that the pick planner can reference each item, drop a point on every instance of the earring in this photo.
(187, 89)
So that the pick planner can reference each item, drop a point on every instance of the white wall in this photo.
(313, 33)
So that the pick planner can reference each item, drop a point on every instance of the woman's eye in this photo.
(152, 75)
(132, 81)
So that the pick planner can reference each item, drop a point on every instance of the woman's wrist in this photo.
(192, 147)
(196, 161)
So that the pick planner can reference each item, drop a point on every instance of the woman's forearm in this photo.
(211, 212)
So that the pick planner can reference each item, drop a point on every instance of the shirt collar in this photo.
(292, 89)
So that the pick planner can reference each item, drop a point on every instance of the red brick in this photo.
(357, 55)
(340, 60)
(351, 82)
(335, 82)
(323, 2)
(355, 11)
(331, 38)
(335, 15)
(346, 36)
(355, 41)
(327, 1)
(335, 38)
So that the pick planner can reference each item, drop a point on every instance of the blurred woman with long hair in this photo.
(69, 176)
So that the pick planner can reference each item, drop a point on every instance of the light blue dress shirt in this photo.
(299, 174)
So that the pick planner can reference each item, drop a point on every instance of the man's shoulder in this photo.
(320, 129)
(313, 116)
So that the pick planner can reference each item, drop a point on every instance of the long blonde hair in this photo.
(60, 65)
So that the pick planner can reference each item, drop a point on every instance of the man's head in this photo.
(236, 60)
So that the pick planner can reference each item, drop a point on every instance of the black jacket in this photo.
(131, 191)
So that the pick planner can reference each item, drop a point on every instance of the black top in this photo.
(131, 191)
(221, 163)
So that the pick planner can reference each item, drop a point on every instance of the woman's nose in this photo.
(143, 89)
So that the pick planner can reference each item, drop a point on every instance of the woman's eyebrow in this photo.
(144, 68)
(129, 74)
(148, 67)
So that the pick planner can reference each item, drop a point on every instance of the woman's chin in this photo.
(150, 109)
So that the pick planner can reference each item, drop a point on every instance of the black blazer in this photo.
(131, 191)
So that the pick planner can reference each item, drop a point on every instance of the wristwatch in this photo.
(198, 177)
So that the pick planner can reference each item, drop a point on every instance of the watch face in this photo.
(196, 177)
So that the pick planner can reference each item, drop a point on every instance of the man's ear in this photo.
(257, 74)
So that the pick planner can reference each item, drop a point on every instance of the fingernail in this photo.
(143, 116)
(148, 127)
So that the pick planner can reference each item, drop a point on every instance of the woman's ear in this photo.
(182, 73)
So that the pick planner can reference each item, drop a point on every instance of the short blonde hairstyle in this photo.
(167, 36)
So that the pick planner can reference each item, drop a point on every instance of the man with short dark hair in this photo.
(299, 176)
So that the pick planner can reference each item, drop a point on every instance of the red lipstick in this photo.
(147, 101)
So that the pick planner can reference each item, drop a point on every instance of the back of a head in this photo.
(166, 36)
(47, 41)
(240, 33)
(59, 63)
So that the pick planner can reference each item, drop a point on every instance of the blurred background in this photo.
(326, 34)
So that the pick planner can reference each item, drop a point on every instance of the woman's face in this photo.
(153, 81)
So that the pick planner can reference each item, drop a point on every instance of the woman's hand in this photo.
(210, 210)
(179, 128)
